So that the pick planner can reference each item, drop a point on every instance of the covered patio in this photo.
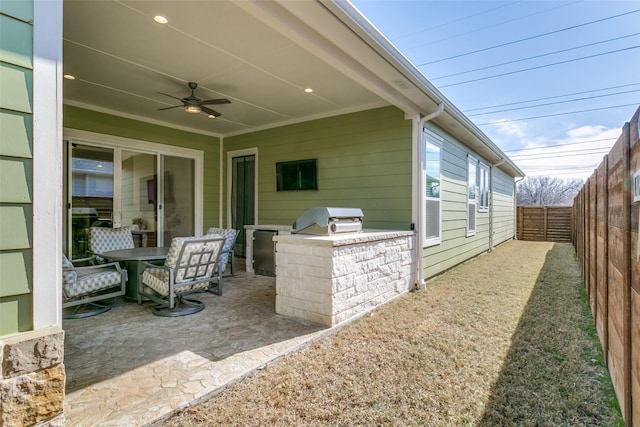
(128, 367)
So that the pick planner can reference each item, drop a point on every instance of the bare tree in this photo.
(547, 191)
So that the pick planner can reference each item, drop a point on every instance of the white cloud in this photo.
(575, 154)
(516, 129)
(592, 132)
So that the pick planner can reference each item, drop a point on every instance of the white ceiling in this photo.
(122, 58)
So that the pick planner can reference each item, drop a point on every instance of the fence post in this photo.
(605, 315)
(626, 153)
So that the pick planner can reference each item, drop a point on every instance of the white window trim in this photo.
(472, 161)
(481, 207)
(430, 138)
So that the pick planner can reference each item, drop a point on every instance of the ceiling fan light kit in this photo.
(193, 105)
(192, 109)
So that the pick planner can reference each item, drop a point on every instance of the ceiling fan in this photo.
(193, 104)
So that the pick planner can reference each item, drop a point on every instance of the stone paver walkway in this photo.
(128, 367)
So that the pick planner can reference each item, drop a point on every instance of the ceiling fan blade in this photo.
(170, 96)
(210, 112)
(215, 101)
(169, 108)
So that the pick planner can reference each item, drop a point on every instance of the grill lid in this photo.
(325, 220)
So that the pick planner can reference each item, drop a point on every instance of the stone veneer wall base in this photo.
(32, 379)
(332, 279)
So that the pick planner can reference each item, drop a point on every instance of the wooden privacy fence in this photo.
(544, 223)
(606, 241)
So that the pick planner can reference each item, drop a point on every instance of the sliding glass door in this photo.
(177, 209)
(152, 192)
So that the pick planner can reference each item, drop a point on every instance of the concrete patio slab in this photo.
(128, 367)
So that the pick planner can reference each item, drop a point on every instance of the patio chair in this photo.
(103, 240)
(190, 267)
(86, 287)
(230, 235)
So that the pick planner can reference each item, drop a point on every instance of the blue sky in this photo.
(440, 36)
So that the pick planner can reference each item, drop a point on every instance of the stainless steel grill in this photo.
(327, 221)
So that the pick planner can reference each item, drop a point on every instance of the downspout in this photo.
(419, 191)
(502, 160)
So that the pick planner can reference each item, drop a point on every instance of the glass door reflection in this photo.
(92, 186)
(139, 200)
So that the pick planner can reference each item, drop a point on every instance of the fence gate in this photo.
(545, 223)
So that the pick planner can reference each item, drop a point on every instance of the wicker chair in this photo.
(86, 287)
(190, 267)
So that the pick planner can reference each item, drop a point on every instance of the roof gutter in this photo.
(418, 185)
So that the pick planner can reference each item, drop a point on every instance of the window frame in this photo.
(431, 141)
(484, 189)
(472, 197)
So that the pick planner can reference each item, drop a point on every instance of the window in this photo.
(471, 195)
(433, 186)
(483, 190)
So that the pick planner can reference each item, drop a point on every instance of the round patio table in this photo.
(133, 258)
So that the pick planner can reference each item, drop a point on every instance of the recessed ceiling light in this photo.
(211, 116)
(308, 90)
(160, 19)
(69, 77)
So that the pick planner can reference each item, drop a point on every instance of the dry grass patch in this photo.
(499, 341)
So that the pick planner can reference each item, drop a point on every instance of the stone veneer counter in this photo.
(331, 279)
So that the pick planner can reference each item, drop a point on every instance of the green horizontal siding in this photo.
(16, 42)
(503, 207)
(364, 161)
(16, 166)
(78, 118)
(16, 88)
(16, 134)
(16, 273)
(456, 247)
(18, 172)
(18, 9)
(16, 313)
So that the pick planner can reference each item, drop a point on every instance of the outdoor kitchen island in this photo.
(329, 279)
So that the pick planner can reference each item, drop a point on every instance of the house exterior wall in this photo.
(32, 375)
(456, 246)
(78, 118)
(16, 166)
(503, 207)
(364, 161)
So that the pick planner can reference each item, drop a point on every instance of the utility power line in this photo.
(535, 56)
(482, 28)
(552, 97)
(549, 156)
(498, 122)
(560, 145)
(553, 103)
(458, 20)
(560, 154)
(541, 66)
(531, 38)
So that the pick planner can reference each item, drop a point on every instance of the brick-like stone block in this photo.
(32, 398)
(31, 352)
